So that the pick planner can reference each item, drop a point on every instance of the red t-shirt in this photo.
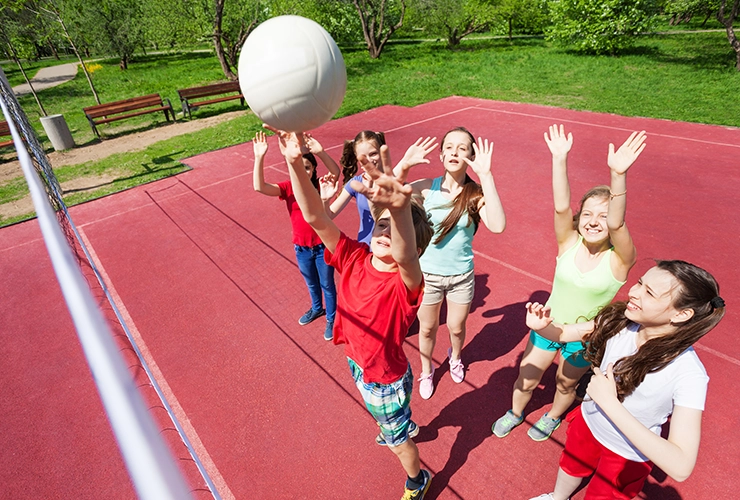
(374, 312)
(303, 233)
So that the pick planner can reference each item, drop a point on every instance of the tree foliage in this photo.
(379, 19)
(453, 20)
(523, 16)
(599, 26)
(728, 12)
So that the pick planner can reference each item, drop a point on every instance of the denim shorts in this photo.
(458, 288)
(572, 352)
(389, 404)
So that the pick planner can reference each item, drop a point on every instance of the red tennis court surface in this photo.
(203, 269)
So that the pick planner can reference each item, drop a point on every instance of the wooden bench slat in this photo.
(5, 130)
(119, 110)
(121, 117)
(186, 95)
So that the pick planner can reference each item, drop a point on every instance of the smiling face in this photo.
(368, 155)
(456, 146)
(592, 220)
(651, 299)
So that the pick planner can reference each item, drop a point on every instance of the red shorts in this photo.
(614, 477)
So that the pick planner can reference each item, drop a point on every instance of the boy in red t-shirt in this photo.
(378, 298)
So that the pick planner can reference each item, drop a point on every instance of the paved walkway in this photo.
(48, 77)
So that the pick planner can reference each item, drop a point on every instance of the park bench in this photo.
(127, 108)
(187, 95)
(5, 132)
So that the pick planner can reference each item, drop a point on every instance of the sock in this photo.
(416, 482)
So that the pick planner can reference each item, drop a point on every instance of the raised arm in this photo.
(390, 193)
(305, 193)
(676, 456)
(560, 145)
(317, 149)
(539, 320)
(490, 207)
(619, 162)
(259, 145)
(415, 155)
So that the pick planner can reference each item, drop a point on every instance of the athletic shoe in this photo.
(413, 432)
(457, 369)
(418, 494)
(310, 316)
(426, 385)
(329, 331)
(544, 496)
(504, 425)
(544, 427)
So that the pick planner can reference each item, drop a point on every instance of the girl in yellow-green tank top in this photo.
(595, 253)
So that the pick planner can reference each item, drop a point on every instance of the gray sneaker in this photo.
(504, 425)
(544, 427)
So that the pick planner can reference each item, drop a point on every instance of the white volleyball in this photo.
(292, 73)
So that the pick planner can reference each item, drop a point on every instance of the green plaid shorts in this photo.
(389, 404)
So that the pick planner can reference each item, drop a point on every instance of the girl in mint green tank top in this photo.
(595, 253)
(457, 205)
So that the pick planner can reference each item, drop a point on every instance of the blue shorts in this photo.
(572, 352)
(389, 404)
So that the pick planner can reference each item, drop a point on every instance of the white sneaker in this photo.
(544, 496)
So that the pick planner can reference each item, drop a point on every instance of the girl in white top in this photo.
(456, 204)
(644, 371)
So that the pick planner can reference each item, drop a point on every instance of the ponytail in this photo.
(349, 158)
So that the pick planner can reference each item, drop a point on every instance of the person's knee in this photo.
(526, 384)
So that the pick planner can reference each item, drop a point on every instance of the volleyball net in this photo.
(151, 465)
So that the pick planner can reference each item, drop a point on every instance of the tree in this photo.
(454, 19)
(599, 26)
(230, 32)
(379, 20)
(525, 15)
(727, 17)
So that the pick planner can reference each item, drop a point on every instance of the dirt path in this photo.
(103, 149)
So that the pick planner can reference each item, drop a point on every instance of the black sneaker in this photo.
(418, 494)
(310, 316)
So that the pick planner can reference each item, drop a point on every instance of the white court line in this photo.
(718, 354)
(513, 268)
(180, 414)
(654, 134)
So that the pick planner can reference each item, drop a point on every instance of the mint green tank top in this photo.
(454, 254)
(577, 296)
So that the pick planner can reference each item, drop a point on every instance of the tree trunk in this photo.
(14, 56)
(511, 29)
(123, 64)
(727, 21)
(218, 40)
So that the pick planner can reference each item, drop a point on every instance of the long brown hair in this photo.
(349, 158)
(595, 192)
(465, 202)
(697, 290)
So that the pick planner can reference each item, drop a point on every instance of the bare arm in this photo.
(388, 192)
(305, 193)
(339, 203)
(317, 149)
(258, 175)
(539, 320)
(560, 145)
(490, 207)
(675, 455)
(619, 162)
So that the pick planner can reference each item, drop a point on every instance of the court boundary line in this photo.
(172, 400)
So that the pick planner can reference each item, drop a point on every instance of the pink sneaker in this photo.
(426, 385)
(457, 369)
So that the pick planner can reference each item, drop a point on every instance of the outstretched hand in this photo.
(602, 388)
(621, 160)
(483, 157)
(538, 316)
(292, 145)
(386, 191)
(259, 145)
(328, 186)
(313, 145)
(557, 141)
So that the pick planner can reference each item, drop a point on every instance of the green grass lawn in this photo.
(686, 77)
